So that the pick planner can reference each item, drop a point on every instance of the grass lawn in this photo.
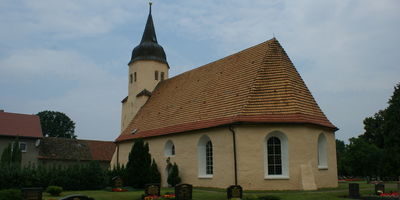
(220, 194)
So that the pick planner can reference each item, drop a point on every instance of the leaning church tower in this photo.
(147, 67)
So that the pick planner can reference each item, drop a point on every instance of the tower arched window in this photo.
(156, 75)
(134, 76)
(205, 157)
(322, 152)
(276, 156)
(130, 78)
(162, 76)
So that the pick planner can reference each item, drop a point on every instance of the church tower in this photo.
(147, 67)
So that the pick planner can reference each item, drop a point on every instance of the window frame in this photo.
(205, 162)
(26, 147)
(284, 156)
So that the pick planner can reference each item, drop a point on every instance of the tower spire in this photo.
(149, 49)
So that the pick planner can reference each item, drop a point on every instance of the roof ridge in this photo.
(223, 58)
(253, 86)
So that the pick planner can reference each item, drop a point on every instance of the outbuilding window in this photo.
(205, 157)
(276, 156)
(23, 147)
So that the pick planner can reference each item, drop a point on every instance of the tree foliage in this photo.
(12, 154)
(377, 151)
(138, 166)
(155, 175)
(363, 157)
(56, 124)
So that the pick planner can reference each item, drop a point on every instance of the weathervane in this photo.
(150, 3)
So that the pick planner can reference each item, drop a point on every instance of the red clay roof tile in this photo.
(21, 125)
(259, 84)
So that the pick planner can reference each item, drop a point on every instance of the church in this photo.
(247, 119)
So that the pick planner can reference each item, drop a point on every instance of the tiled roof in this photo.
(73, 149)
(21, 125)
(259, 84)
(101, 150)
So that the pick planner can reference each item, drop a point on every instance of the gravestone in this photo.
(152, 189)
(354, 190)
(234, 191)
(183, 192)
(379, 188)
(32, 193)
(76, 197)
(117, 182)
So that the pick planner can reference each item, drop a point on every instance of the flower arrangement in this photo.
(119, 190)
(390, 194)
(162, 197)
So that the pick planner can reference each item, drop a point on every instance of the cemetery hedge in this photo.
(75, 177)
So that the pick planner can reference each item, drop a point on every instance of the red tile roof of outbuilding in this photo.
(52, 148)
(257, 85)
(21, 125)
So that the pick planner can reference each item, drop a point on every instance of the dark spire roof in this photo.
(149, 49)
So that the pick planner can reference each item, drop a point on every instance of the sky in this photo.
(71, 55)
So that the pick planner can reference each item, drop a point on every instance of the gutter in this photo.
(234, 152)
(117, 154)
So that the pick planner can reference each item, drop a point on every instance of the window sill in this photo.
(322, 167)
(205, 176)
(276, 177)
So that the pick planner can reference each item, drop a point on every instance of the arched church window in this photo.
(169, 149)
(322, 152)
(162, 76)
(276, 161)
(156, 75)
(205, 157)
(209, 158)
(274, 156)
(130, 78)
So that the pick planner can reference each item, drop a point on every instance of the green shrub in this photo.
(10, 195)
(173, 177)
(250, 197)
(54, 190)
(269, 197)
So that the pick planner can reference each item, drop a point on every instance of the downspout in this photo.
(117, 154)
(234, 152)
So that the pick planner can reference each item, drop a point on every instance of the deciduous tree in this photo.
(56, 124)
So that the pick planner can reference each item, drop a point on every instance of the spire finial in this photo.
(150, 3)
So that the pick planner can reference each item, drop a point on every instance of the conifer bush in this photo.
(173, 176)
(54, 190)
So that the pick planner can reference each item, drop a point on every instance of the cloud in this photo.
(89, 95)
(60, 19)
